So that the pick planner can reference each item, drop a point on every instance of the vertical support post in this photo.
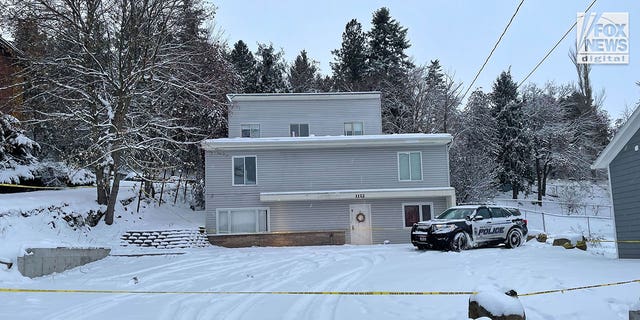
(186, 178)
(140, 195)
(544, 226)
(164, 177)
(175, 199)
(589, 226)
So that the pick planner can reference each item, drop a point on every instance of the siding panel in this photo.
(625, 185)
(325, 117)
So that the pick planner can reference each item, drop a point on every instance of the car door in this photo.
(482, 228)
(501, 222)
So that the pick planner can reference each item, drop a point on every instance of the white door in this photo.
(360, 223)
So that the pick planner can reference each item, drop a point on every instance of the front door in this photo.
(360, 223)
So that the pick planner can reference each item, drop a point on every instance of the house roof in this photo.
(303, 96)
(316, 142)
(619, 141)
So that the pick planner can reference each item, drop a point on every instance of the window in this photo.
(299, 129)
(250, 130)
(353, 128)
(498, 213)
(410, 166)
(413, 213)
(244, 170)
(242, 220)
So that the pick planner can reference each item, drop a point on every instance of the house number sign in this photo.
(359, 195)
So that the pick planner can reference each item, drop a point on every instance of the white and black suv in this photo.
(470, 226)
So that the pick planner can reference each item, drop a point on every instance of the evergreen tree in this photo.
(303, 74)
(513, 154)
(350, 61)
(245, 65)
(270, 69)
(387, 43)
(388, 68)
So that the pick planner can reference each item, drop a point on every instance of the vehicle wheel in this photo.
(460, 241)
(514, 238)
(422, 247)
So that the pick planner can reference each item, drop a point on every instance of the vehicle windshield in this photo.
(456, 213)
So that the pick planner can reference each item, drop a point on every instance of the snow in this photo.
(17, 172)
(393, 267)
(497, 302)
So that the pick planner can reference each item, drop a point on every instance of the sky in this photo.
(460, 33)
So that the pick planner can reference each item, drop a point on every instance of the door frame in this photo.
(366, 235)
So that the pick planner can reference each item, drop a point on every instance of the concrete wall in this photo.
(42, 261)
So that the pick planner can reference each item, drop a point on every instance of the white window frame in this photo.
(256, 209)
(251, 126)
(419, 204)
(299, 123)
(233, 180)
(352, 130)
(410, 175)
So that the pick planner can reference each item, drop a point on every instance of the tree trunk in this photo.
(101, 186)
(514, 190)
(115, 187)
(539, 178)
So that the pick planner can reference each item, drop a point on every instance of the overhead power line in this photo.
(554, 47)
(492, 50)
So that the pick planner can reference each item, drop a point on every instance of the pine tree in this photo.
(303, 74)
(387, 43)
(270, 69)
(388, 68)
(349, 66)
(514, 153)
(245, 65)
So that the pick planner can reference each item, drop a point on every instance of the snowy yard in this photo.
(395, 267)
(533, 267)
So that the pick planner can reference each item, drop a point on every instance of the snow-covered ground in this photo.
(396, 267)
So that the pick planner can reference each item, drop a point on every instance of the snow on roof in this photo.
(303, 96)
(619, 141)
(406, 139)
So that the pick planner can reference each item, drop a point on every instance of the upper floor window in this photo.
(410, 166)
(244, 170)
(353, 128)
(250, 130)
(299, 130)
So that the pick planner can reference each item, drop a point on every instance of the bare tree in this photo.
(120, 78)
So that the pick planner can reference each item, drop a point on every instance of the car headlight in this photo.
(443, 228)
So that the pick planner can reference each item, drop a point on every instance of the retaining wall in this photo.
(42, 261)
(279, 239)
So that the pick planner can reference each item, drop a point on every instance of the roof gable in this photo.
(619, 141)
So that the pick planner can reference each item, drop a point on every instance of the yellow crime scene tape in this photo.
(38, 187)
(344, 293)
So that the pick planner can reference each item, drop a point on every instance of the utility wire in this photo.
(492, 50)
(554, 47)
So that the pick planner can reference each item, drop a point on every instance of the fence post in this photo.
(186, 178)
(544, 225)
(164, 177)
(589, 226)
(178, 188)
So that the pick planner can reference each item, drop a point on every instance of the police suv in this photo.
(470, 226)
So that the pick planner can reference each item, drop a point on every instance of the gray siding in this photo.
(325, 117)
(325, 169)
(625, 185)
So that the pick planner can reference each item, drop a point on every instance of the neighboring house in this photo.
(315, 168)
(10, 91)
(622, 160)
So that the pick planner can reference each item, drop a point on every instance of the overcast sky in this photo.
(458, 33)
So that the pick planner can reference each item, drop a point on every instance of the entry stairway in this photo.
(165, 239)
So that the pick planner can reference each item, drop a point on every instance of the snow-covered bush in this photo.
(16, 151)
(572, 196)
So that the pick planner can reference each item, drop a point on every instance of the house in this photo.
(10, 91)
(621, 158)
(315, 168)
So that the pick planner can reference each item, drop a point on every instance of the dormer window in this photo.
(250, 130)
(353, 128)
(299, 130)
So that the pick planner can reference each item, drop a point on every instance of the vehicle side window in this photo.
(484, 212)
(498, 213)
